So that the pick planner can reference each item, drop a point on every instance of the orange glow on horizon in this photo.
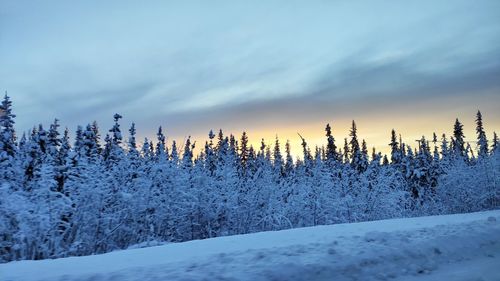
(374, 129)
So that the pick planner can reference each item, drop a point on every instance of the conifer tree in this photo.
(482, 142)
(494, 145)
(436, 151)
(90, 145)
(132, 144)
(54, 142)
(395, 149)
(61, 161)
(7, 132)
(146, 150)
(289, 159)
(79, 142)
(244, 153)
(7, 141)
(364, 156)
(356, 154)
(306, 153)
(331, 148)
(187, 157)
(42, 139)
(108, 147)
(211, 159)
(458, 139)
(385, 161)
(116, 133)
(97, 136)
(278, 158)
(174, 155)
(346, 151)
(160, 145)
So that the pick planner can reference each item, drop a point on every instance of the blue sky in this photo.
(274, 67)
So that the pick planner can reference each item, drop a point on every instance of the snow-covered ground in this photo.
(452, 247)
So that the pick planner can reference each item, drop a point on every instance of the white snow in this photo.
(450, 247)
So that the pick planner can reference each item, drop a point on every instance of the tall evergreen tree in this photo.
(174, 155)
(54, 142)
(356, 154)
(277, 158)
(244, 153)
(116, 133)
(458, 139)
(187, 156)
(482, 142)
(395, 149)
(8, 146)
(331, 148)
(90, 144)
(132, 143)
(7, 132)
(289, 160)
(346, 151)
(160, 145)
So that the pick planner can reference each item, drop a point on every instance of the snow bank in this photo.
(452, 247)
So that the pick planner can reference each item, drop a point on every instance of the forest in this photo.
(93, 194)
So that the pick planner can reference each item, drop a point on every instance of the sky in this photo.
(270, 68)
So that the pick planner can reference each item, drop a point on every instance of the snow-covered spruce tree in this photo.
(458, 140)
(331, 148)
(133, 159)
(356, 154)
(10, 180)
(288, 169)
(395, 149)
(277, 162)
(7, 132)
(482, 142)
(244, 154)
(495, 144)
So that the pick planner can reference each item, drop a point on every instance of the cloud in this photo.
(195, 66)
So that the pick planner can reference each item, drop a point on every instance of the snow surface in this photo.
(450, 247)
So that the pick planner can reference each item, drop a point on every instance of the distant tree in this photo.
(187, 157)
(346, 151)
(356, 153)
(494, 145)
(277, 159)
(174, 155)
(364, 156)
(288, 159)
(436, 150)
(7, 132)
(385, 161)
(458, 139)
(116, 133)
(90, 145)
(160, 146)
(395, 149)
(331, 148)
(8, 146)
(132, 143)
(54, 142)
(244, 154)
(481, 135)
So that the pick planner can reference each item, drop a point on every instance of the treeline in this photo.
(64, 198)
